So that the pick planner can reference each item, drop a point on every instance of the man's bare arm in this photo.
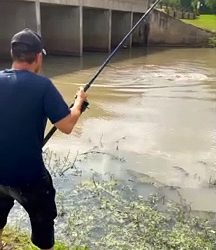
(67, 124)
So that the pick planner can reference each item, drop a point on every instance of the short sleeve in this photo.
(54, 105)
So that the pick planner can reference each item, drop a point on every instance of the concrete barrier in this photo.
(97, 30)
(168, 31)
(14, 17)
(68, 27)
(61, 28)
(140, 35)
(121, 5)
(121, 24)
(179, 14)
(192, 16)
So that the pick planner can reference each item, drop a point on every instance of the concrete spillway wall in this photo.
(14, 16)
(122, 22)
(61, 29)
(96, 29)
(121, 5)
(72, 26)
(69, 27)
(168, 31)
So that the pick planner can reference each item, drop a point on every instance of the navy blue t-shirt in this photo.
(26, 101)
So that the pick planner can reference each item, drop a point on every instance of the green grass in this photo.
(207, 22)
(20, 241)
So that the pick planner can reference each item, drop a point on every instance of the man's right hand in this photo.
(81, 97)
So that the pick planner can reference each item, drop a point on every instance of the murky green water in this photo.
(162, 101)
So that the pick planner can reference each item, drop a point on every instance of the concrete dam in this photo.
(69, 27)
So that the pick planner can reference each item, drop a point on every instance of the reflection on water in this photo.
(162, 101)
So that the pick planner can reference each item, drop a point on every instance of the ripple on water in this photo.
(143, 78)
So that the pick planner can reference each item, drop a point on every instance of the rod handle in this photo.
(49, 135)
(84, 106)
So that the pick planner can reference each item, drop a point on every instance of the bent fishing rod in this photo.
(88, 85)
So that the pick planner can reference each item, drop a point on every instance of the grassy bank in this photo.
(20, 241)
(106, 215)
(207, 22)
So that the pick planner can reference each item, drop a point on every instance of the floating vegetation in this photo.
(109, 215)
(103, 215)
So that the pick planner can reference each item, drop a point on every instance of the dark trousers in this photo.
(38, 199)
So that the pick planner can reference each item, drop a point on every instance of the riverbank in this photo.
(207, 22)
(110, 215)
(20, 241)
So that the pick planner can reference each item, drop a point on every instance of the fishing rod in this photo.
(88, 85)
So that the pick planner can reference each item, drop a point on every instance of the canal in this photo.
(155, 109)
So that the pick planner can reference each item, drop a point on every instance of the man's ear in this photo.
(39, 57)
(38, 62)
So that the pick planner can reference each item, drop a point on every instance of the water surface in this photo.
(161, 101)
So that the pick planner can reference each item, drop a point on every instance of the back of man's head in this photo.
(25, 46)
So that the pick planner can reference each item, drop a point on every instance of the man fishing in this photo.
(26, 101)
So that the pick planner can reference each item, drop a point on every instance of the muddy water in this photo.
(161, 102)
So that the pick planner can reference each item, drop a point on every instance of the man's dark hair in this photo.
(21, 53)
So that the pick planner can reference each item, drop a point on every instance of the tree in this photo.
(175, 3)
(212, 5)
(186, 4)
(196, 6)
(171, 3)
